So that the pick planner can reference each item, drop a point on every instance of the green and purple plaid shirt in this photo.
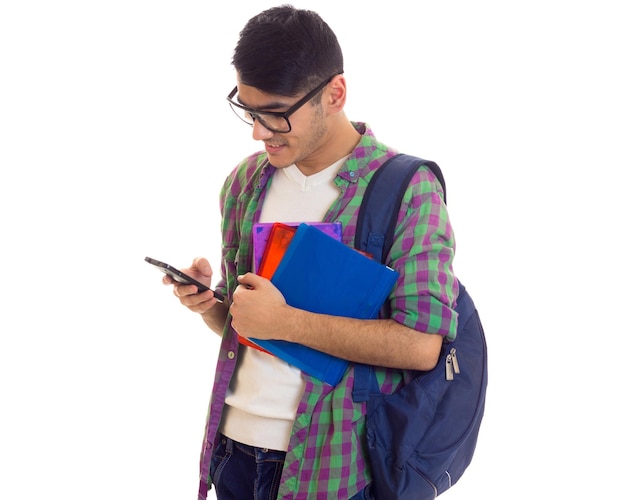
(326, 452)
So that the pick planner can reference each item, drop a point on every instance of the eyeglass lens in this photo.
(270, 122)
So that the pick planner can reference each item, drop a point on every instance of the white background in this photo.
(115, 138)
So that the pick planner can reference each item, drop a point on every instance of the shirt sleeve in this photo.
(422, 252)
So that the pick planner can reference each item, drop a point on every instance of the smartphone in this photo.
(183, 278)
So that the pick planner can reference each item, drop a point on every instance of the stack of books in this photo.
(316, 272)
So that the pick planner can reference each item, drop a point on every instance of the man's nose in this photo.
(259, 132)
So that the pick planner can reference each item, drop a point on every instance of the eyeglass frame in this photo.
(254, 113)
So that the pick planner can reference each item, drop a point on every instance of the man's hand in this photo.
(259, 309)
(188, 294)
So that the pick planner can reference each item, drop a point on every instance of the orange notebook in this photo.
(261, 233)
(277, 244)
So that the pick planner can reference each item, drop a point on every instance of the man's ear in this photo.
(336, 94)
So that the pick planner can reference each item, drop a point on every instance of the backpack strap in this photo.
(379, 209)
(375, 226)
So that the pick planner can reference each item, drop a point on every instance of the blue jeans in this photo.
(242, 472)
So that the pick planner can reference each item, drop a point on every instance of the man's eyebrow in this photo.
(274, 105)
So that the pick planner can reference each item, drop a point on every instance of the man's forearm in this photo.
(215, 318)
(374, 342)
(259, 310)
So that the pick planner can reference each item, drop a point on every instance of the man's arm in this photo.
(373, 342)
(259, 310)
(215, 318)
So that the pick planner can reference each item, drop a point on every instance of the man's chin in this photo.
(279, 159)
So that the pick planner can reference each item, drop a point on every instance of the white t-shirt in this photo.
(264, 392)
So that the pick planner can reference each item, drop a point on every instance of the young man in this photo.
(272, 431)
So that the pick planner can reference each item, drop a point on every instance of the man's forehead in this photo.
(255, 98)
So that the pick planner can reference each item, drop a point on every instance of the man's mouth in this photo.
(271, 148)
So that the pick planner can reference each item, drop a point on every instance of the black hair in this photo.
(287, 51)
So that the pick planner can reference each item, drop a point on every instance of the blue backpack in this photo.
(421, 438)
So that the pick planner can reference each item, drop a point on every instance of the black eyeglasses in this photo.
(275, 121)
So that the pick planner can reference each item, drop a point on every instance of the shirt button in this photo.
(231, 354)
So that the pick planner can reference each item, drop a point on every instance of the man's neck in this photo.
(340, 142)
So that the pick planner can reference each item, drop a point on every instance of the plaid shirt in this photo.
(326, 456)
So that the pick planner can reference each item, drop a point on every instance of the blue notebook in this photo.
(323, 275)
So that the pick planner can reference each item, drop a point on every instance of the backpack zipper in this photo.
(452, 364)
